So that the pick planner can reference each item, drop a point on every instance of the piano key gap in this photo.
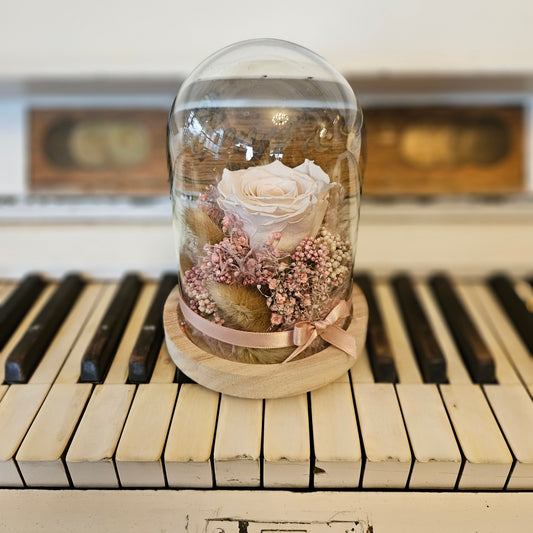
(463, 457)
(312, 457)
(212, 454)
(262, 450)
(163, 463)
(515, 461)
(359, 433)
(71, 438)
(413, 458)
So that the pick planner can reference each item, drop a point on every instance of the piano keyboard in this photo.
(439, 399)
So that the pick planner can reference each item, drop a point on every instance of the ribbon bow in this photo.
(305, 333)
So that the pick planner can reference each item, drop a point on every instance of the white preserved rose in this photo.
(276, 198)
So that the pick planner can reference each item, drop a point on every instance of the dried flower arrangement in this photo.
(265, 250)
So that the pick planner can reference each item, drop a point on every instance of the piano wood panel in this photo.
(139, 511)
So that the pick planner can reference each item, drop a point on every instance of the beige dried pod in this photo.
(241, 307)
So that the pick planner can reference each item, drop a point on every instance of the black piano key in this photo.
(514, 306)
(18, 304)
(476, 355)
(148, 344)
(105, 341)
(430, 358)
(377, 341)
(28, 352)
(182, 378)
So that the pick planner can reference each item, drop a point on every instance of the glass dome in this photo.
(264, 140)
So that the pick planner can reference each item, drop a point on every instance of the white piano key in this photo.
(525, 292)
(237, 452)
(505, 373)
(361, 371)
(24, 325)
(286, 447)
(70, 371)
(94, 466)
(3, 390)
(6, 289)
(17, 411)
(335, 437)
(404, 357)
(386, 447)
(90, 455)
(140, 450)
(506, 333)
(487, 458)
(40, 455)
(119, 369)
(455, 367)
(22, 405)
(164, 369)
(436, 456)
(513, 408)
(60, 347)
(190, 439)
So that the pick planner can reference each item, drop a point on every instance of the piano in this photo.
(431, 429)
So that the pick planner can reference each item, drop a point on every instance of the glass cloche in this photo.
(264, 140)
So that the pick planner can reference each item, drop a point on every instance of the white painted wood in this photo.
(17, 411)
(477, 308)
(67, 334)
(514, 347)
(139, 456)
(455, 367)
(514, 410)
(39, 456)
(361, 371)
(386, 447)
(70, 372)
(286, 447)
(139, 511)
(335, 437)
(436, 456)
(404, 357)
(119, 369)
(487, 458)
(13, 146)
(90, 455)
(23, 326)
(417, 34)
(190, 438)
(411, 233)
(238, 442)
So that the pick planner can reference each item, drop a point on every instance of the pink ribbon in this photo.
(303, 334)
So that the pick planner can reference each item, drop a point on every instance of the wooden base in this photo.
(261, 380)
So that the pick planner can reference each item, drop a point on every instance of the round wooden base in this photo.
(261, 380)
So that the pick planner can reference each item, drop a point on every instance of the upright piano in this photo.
(432, 429)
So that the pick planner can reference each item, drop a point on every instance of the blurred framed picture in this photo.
(98, 151)
(444, 150)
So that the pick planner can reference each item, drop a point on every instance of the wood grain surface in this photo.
(256, 380)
